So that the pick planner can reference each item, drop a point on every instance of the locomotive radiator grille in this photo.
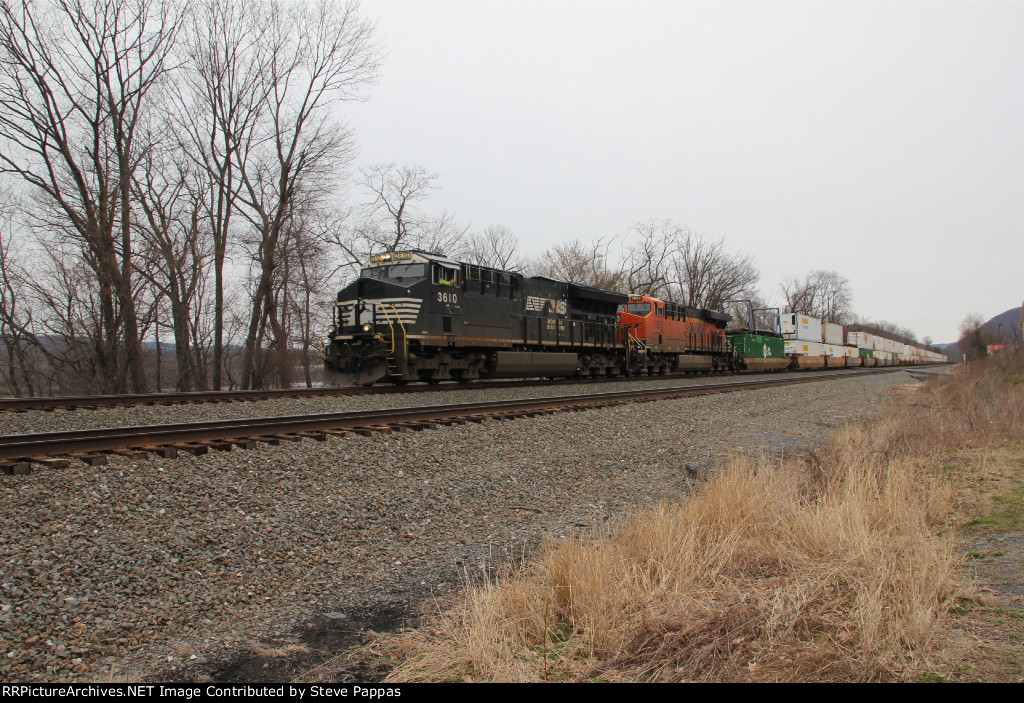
(407, 309)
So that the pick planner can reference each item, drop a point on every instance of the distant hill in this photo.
(1003, 327)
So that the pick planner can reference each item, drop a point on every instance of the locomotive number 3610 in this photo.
(448, 298)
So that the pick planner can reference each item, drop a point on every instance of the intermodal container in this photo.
(833, 333)
(802, 327)
(796, 346)
(757, 346)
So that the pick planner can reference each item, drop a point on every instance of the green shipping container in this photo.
(869, 353)
(757, 346)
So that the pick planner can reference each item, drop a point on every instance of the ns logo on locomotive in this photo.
(416, 316)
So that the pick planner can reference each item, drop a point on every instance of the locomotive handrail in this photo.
(405, 336)
(391, 327)
(387, 319)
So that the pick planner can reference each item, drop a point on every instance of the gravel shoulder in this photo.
(207, 568)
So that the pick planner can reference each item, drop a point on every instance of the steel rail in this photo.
(49, 403)
(93, 401)
(70, 402)
(28, 447)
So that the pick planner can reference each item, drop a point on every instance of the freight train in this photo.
(417, 316)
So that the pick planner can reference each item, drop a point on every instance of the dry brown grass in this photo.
(840, 566)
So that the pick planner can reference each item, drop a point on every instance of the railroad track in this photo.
(48, 404)
(19, 452)
(91, 402)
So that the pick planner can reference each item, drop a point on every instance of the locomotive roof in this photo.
(577, 290)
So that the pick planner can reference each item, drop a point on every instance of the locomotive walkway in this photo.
(19, 452)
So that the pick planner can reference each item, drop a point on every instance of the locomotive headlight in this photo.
(366, 327)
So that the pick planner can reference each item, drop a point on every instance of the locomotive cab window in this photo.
(444, 276)
(406, 274)
(640, 309)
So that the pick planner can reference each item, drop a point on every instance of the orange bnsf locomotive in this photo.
(674, 337)
(416, 316)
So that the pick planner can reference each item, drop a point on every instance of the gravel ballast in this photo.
(172, 567)
(83, 419)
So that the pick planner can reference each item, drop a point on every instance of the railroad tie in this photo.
(16, 468)
(134, 453)
(367, 430)
(163, 452)
(218, 444)
(53, 463)
(90, 459)
(418, 426)
(193, 449)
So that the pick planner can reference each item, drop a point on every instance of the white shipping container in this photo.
(802, 327)
(833, 333)
(797, 346)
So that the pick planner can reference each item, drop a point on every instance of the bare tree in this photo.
(665, 259)
(496, 247)
(322, 53)
(652, 248)
(176, 255)
(822, 294)
(226, 82)
(393, 219)
(705, 273)
(16, 318)
(308, 273)
(444, 234)
(70, 309)
(75, 77)
(586, 264)
(974, 337)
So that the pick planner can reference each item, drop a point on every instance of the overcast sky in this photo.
(883, 140)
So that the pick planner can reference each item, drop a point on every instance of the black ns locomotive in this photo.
(415, 316)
